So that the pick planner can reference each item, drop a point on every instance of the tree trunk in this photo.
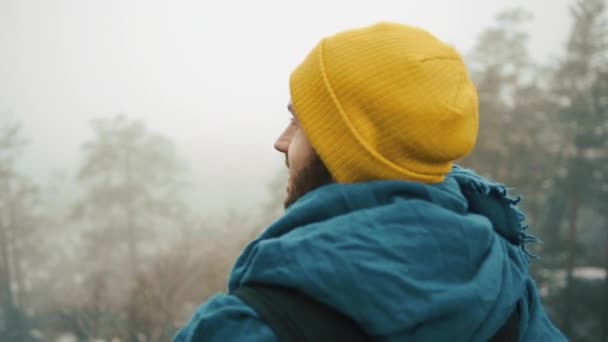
(6, 295)
(132, 250)
(131, 243)
(15, 252)
(6, 298)
(9, 313)
(604, 319)
(20, 295)
(569, 298)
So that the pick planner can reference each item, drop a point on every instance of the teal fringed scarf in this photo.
(407, 261)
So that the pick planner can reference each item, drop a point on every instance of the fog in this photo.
(212, 75)
(137, 159)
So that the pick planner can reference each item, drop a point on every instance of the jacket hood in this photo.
(406, 260)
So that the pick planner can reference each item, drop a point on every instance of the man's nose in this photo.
(282, 142)
(281, 145)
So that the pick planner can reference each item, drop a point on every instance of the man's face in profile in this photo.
(306, 170)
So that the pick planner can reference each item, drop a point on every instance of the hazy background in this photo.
(137, 159)
(212, 75)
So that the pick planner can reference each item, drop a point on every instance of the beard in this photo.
(310, 177)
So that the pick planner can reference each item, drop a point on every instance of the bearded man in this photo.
(382, 236)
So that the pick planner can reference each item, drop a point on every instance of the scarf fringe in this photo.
(500, 192)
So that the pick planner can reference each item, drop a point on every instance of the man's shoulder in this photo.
(224, 317)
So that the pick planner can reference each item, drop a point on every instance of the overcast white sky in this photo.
(213, 75)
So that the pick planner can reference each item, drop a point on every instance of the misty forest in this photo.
(113, 251)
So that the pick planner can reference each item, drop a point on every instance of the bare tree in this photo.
(132, 181)
(576, 88)
(18, 224)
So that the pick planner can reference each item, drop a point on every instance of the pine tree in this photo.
(580, 92)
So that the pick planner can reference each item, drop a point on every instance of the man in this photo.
(380, 226)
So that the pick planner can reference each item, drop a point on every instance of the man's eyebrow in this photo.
(290, 109)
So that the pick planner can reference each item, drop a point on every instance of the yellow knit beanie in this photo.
(388, 101)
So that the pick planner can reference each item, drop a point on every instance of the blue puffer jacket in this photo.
(405, 260)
